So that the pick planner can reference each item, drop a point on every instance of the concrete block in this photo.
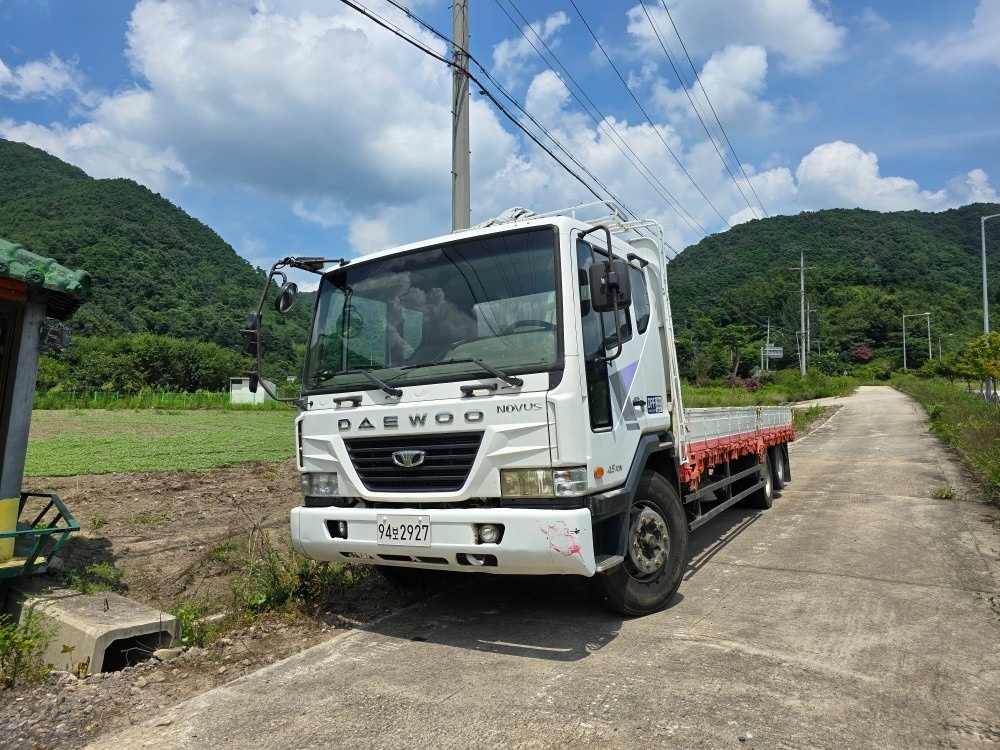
(105, 631)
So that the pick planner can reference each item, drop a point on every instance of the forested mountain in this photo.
(158, 270)
(155, 268)
(865, 270)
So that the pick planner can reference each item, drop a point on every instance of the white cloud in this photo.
(869, 20)
(510, 55)
(39, 79)
(101, 153)
(973, 187)
(841, 175)
(325, 212)
(797, 31)
(974, 45)
(735, 81)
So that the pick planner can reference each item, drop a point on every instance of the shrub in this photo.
(22, 647)
(275, 581)
(195, 629)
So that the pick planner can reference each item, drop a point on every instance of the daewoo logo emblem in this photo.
(408, 459)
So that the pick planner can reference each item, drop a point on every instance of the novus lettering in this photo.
(512, 408)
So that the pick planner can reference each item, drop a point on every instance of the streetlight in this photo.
(917, 315)
(986, 304)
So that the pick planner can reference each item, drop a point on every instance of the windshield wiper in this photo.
(508, 379)
(394, 392)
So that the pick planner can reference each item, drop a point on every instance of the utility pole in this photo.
(767, 347)
(803, 351)
(809, 312)
(461, 208)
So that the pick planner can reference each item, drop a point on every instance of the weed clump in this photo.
(22, 650)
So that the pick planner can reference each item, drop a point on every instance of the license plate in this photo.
(412, 531)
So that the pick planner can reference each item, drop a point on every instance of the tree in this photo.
(982, 355)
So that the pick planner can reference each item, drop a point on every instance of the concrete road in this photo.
(855, 613)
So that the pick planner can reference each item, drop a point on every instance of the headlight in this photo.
(319, 485)
(570, 482)
(543, 482)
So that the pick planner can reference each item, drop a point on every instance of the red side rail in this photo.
(705, 454)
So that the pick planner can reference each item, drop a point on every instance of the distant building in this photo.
(239, 391)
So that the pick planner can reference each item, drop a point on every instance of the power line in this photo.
(601, 121)
(644, 113)
(694, 107)
(714, 114)
(372, 16)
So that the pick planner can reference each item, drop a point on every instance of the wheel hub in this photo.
(649, 543)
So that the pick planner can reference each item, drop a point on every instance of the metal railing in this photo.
(36, 541)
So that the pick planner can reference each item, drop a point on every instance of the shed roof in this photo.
(66, 288)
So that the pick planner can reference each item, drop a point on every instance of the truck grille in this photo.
(446, 465)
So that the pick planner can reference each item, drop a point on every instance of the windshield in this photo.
(493, 299)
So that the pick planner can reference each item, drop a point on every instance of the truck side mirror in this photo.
(251, 334)
(610, 285)
(286, 296)
(254, 374)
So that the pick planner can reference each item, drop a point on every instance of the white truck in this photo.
(506, 400)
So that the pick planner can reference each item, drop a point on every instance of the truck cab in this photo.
(503, 400)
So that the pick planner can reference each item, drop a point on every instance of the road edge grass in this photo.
(963, 421)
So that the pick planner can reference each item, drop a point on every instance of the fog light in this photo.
(337, 529)
(490, 533)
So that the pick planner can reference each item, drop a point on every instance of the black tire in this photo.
(763, 498)
(777, 467)
(788, 464)
(656, 554)
(409, 578)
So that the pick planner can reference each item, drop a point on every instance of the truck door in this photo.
(616, 389)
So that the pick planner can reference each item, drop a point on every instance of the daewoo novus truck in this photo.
(506, 400)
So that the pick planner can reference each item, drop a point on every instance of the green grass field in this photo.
(94, 441)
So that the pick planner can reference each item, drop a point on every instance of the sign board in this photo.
(774, 352)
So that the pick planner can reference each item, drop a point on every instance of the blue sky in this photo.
(300, 127)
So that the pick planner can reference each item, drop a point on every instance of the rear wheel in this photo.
(656, 552)
(763, 498)
(777, 467)
(787, 463)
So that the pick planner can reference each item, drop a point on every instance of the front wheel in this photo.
(656, 552)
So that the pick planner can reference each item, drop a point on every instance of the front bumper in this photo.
(535, 541)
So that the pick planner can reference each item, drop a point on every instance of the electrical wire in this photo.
(388, 26)
(694, 107)
(707, 99)
(602, 124)
(485, 72)
(646, 115)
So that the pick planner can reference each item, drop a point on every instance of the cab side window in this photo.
(598, 338)
(640, 299)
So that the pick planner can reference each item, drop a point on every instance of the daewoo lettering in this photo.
(473, 416)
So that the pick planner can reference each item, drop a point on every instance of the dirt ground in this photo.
(176, 537)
